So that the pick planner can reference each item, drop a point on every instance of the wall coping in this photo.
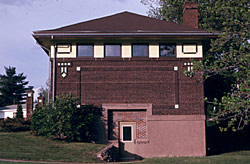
(127, 106)
(176, 118)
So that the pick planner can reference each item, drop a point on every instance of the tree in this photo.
(44, 91)
(19, 113)
(228, 57)
(12, 86)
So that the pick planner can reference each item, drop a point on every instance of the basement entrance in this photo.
(127, 140)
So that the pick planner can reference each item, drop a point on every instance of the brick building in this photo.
(133, 67)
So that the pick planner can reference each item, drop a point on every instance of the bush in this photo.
(63, 120)
(19, 113)
(14, 125)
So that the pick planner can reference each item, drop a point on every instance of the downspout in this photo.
(54, 71)
(49, 77)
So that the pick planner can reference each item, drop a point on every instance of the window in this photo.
(112, 50)
(167, 49)
(85, 50)
(127, 133)
(140, 50)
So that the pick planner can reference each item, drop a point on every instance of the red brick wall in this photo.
(190, 14)
(29, 103)
(136, 81)
(127, 116)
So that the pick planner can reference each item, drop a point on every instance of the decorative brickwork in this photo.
(135, 81)
(139, 117)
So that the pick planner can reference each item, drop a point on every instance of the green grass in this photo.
(4, 162)
(24, 146)
(242, 157)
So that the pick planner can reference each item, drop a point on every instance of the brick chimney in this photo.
(190, 14)
(40, 101)
(29, 103)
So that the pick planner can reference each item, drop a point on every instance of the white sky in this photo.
(19, 18)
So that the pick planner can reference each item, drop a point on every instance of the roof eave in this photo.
(61, 35)
(45, 39)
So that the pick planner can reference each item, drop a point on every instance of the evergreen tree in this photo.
(228, 58)
(19, 112)
(12, 86)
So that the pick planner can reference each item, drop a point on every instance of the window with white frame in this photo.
(86, 50)
(167, 50)
(140, 50)
(112, 50)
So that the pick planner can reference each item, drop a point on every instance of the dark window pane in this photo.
(112, 50)
(85, 50)
(140, 50)
(127, 133)
(167, 50)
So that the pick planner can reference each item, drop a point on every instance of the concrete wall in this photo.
(158, 135)
(170, 136)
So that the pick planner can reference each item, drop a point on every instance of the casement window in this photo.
(85, 50)
(140, 50)
(168, 50)
(112, 50)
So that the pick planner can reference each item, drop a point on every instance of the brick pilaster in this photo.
(40, 101)
(29, 103)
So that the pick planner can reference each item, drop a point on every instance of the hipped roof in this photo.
(125, 25)
(125, 22)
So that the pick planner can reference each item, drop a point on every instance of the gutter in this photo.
(128, 34)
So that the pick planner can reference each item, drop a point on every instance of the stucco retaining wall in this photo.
(174, 136)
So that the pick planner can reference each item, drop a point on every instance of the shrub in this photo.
(14, 125)
(19, 113)
(63, 120)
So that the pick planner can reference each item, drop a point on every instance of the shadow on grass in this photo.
(225, 142)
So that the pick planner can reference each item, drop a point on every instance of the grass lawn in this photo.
(4, 162)
(24, 146)
(242, 157)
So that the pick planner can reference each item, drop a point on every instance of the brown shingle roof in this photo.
(125, 22)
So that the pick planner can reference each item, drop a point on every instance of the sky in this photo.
(19, 18)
